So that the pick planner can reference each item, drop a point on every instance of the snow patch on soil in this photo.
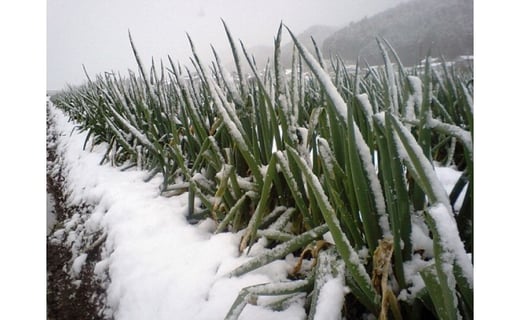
(159, 266)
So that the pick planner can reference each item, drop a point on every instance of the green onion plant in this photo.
(290, 156)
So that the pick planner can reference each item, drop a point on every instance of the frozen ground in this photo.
(159, 265)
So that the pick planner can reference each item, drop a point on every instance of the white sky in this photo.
(95, 32)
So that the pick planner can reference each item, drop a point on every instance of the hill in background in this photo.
(413, 28)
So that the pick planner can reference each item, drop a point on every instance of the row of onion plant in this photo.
(289, 155)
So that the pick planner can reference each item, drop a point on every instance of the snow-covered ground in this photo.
(51, 215)
(160, 266)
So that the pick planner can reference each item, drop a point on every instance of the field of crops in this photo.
(333, 165)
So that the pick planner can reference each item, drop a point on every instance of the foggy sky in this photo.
(95, 33)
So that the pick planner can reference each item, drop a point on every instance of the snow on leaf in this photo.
(453, 247)
(330, 300)
(363, 149)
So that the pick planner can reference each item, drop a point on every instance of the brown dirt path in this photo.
(68, 298)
